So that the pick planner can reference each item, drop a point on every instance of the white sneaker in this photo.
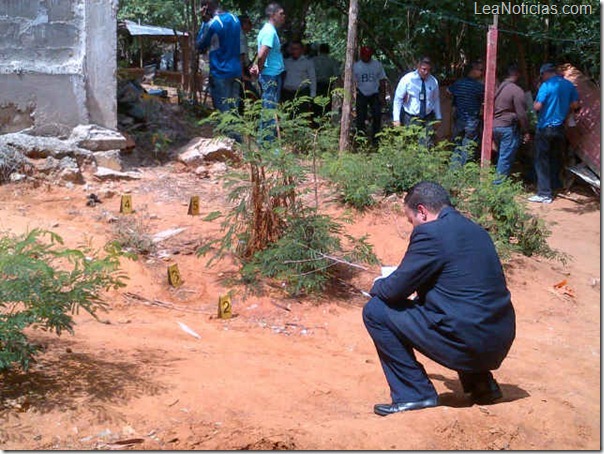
(540, 199)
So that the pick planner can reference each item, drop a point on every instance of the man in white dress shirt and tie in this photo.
(417, 100)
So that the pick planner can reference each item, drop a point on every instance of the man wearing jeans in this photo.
(220, 34)
(555, 98)
(468, 96)
(509, 121)
(270, 67)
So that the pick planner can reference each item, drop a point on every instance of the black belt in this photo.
(431, 114)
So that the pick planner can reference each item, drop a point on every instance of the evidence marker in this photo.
(126, 204)
(224, 306)
(194, 206)
(174, 278)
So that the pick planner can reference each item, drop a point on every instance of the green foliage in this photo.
(270, 228)
(303, 258)
(402, 162)
(354, 177)
(43, 284)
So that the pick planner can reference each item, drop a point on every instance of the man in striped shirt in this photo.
(468, 96)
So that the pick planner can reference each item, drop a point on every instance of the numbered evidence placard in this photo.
(194, 206)
(224, 306)
(126, 204)
(174, 278)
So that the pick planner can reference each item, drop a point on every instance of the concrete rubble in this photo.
(88, 147)
(201, 150)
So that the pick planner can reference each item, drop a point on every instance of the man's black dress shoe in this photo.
(485, 393)
(388, 409)
(481, 386)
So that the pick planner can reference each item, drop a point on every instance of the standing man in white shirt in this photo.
(417, 100)
(300, 78)
(370, 80)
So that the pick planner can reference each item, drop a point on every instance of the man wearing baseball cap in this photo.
(370, 80)
(555, 98)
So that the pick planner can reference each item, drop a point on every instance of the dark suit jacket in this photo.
(463, 305)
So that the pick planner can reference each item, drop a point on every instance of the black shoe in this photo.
(388, 409)
(485, 393)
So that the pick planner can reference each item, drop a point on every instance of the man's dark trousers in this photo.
(549, 150)
(364, 103)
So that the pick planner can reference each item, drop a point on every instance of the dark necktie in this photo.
(422, 100)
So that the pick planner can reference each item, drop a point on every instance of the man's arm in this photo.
(313, 78)
(400, 95)
(262, 55)
(204, 37)
(437, 113)
(419, 266)
(519, 102)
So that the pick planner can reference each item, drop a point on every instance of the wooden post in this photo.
(353, 13)
(489, 93)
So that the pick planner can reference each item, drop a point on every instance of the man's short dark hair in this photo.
(272, 8)
(474, 64)
(324, 48)
(432, 195)
(512, 70)
(425, 61)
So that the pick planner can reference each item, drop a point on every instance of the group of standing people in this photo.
(416, 100)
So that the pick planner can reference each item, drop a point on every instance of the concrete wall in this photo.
(57, 64)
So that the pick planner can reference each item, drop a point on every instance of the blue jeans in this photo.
(225, 93)
(271, 94)
(465, 132)
(549, 149)
(507, 139)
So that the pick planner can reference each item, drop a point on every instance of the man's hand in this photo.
(526, 138)
(254, 71)
(396, 123)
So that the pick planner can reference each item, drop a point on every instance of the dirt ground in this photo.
(288, 373)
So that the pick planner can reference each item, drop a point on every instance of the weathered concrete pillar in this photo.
(57, 64)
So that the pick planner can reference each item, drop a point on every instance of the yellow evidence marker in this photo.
(224, 306)
(174, 276)
(126, 204)
(194, 206)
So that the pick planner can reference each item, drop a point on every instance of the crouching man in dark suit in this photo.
(462, 316)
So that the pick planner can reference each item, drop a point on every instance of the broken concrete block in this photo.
(70, 171)
(111, 159)
(37, 147)
(97, 138)
(103, 173)
(201, 150)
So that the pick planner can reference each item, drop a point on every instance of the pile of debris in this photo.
(157, 126)
(89, 147)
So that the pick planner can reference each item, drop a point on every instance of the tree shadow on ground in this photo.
(457, 399)
(69, 380)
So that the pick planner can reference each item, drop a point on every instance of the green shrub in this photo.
(270, 229)
(43, 284)
(402, 162)
(303, 258)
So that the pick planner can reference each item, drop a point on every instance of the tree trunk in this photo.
(353, 13)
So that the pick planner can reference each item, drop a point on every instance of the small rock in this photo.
(112, 159)
(201, 150)
(103, 173)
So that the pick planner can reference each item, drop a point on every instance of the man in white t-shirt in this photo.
(370, 80)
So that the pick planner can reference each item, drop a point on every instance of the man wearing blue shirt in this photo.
(555, 99)
(270, 64)
(220, 33)
(468, 96)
